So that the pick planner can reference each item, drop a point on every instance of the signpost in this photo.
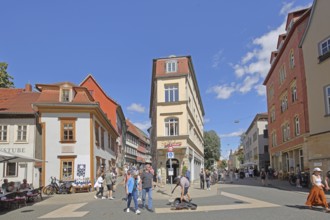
(170, 155)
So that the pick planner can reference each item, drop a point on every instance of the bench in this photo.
(34, 194)
(78, 189)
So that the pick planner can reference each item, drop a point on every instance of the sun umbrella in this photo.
(15, 158)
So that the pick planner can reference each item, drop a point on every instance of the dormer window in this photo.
(65, 95)
(171, 66)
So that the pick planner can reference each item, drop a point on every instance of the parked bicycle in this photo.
(62, 187)
(304, 180)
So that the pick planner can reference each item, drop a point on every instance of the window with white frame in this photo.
(296, 126)
(271, 91)
(11, 169)
(171, 127)
(171, 66)
(274, 141)
(65, 95)
(327, 96)
(282, 75)
(284, 103)
(291, 59)
(21, 133)
(286, 132)
(294, 93)
(325, 46)
(171, 93)
(3, 133)
(272, 115)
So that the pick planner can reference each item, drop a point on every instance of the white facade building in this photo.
(255, 143)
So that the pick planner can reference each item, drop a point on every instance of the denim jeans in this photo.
(140, 194)
(129, 199)
(144, 192)
(100, 191)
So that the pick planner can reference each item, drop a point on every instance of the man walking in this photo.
(202, 178)
(147, 179)
(109, 182)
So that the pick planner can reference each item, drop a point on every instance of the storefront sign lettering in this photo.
(13, 150)
(172, 144)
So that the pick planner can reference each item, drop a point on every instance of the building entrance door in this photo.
(175, 167)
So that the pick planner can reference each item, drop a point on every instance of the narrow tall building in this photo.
(177, 117)
(288, 124)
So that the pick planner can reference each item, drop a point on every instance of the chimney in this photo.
(28, 87)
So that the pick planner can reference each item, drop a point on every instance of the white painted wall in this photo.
(25, 170)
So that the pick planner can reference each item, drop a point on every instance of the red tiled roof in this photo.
(134, 130)
(51, 93)
(8, 93)
(20, 103)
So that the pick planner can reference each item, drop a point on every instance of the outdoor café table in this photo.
(7, 199)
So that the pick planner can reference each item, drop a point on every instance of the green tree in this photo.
(223, 164)
(5, 78)
(240, 157)
(211, 148)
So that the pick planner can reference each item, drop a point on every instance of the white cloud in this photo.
(136, 108)
(206, 120)
(232, 134)
(286, 8)
(222, 91)
(217, 59)
(261, 89)
(248, 57)
(143, 125)
(254, 65)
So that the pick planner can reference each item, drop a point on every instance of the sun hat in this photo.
(316, 169)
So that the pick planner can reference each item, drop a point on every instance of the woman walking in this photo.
(131, 191)
(316, 195)
(99, 186)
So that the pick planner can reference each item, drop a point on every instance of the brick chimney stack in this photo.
(28, 87)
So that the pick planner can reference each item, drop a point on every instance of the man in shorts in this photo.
(184, 184)
(109, 182)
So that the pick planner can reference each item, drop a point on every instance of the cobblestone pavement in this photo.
(164, 192)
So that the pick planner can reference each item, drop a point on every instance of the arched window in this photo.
(171, 127)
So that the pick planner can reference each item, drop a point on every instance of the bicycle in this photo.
(52, 188)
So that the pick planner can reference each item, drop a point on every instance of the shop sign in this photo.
(13, 150)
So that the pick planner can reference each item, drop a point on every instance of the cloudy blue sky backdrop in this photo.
(230, 43)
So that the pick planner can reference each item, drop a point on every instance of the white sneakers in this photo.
(111, 198)
(95, 197)
(136, 212)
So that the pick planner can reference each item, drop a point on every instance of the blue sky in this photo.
(230, 43)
